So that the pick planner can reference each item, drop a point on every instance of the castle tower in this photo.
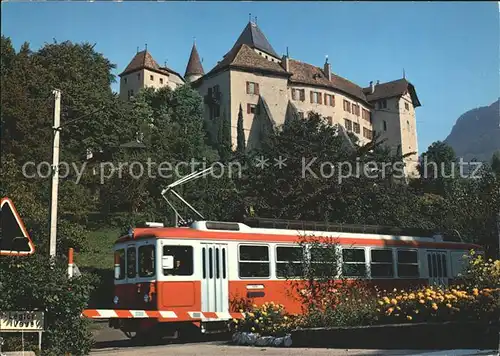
(194, 69)
(143, 71)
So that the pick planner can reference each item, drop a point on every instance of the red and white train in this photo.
(169, 277)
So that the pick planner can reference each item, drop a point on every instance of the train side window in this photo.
(253, 261)
(408, 264)
(353, 262)
(381, 263)
(120, 262)
(204, 261)
(323, 261)
(183, 260)
(131, 263)
(289, 262)
(223, 263)
(146, 261)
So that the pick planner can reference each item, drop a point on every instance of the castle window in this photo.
(348, 124)
(355, 109)
(366, 115)
(139, 76)
(252, 88)
(407, 106)
(382, 104)
(151, 77)
(329, 100)
(347, 106)
(161, 80)
(298, 94)
(367, 133)
(125, 80)
(356, 127)
(251, 108)
(385, 125)
(408, 124)
(316, 97)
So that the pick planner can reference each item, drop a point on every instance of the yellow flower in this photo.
(235, 321)
(434, 306)
(416, 311)
(448, 305)
(409, 317)
(256, 321)
(394, 301)
(253, 329)
(380, 302)
(475, 291)
(421, 301)
(285, 317)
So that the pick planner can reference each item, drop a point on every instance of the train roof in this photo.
(271, 230)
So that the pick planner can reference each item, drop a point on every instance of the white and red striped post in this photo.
(70, 263)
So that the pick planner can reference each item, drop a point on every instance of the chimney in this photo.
(327, 69)
(372, 88)
(285, 63)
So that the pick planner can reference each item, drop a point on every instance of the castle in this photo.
(268, 88)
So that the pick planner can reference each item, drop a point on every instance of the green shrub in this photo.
(348, 303)
(479, 272)
(33, 283)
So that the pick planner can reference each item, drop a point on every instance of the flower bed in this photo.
(439, 304)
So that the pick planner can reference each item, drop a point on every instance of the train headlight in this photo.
(116, 299)
(146, 298)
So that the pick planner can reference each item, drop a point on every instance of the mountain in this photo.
(476, 134)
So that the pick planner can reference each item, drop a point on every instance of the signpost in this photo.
(23, 321)
(14, 238)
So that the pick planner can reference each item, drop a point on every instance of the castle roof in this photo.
(194, 64)
(244, 57)
(392, 89)
(255, 38)
(305, 73)
(144, 60)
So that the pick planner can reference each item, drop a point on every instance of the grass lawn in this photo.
(99, 251)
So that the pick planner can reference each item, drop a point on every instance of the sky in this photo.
(449, 50)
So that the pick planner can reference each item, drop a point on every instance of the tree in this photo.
(224, 138)
(495, 163)
(240, 133)
(438, 168)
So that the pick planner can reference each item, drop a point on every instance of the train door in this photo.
(214, 282)
(437, 265)
(127, 295)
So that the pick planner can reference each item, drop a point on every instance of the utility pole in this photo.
(55, 172)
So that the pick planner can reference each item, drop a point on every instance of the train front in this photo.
(135, 285)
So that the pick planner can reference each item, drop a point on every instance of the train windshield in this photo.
(146, 261)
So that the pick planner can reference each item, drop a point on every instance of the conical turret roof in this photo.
(194, 64)
(255, 38)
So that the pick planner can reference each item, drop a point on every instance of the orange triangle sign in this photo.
(14, 238)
